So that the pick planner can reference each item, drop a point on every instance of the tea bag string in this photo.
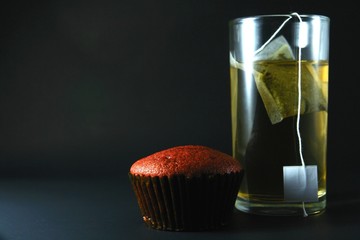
(299, 110)
(299, 96)
(299, 93)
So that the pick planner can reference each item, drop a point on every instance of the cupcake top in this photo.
(189, 160)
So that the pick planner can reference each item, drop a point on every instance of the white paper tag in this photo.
(300, 185)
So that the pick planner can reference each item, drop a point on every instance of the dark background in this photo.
(89, 87)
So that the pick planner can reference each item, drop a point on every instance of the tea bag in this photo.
(277, 83)
(275, 71)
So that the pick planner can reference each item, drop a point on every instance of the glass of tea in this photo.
(279, 71)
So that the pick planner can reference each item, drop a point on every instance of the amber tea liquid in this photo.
(265, 147)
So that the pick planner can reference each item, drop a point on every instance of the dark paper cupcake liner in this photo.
(186, 204)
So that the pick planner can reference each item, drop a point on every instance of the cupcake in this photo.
(186, 188)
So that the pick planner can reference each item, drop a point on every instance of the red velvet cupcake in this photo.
(186, 188)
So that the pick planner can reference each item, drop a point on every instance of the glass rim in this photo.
(263, 16)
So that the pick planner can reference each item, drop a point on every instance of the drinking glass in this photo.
(279, 68)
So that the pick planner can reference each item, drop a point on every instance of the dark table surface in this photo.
(106, 208)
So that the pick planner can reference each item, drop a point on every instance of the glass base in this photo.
(282, 208)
